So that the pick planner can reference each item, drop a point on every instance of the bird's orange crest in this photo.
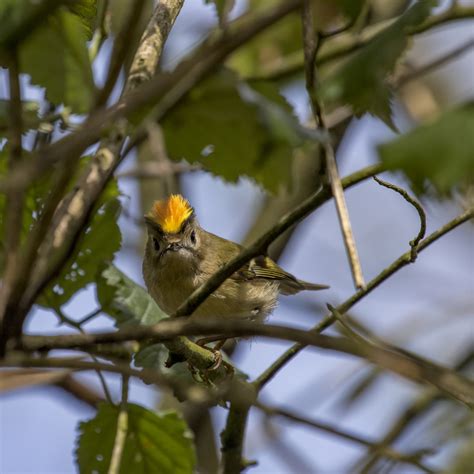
(171, 214)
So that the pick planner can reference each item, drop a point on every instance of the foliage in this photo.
(440, 154)
(55, 55)
(124, 300)
(98, 244)
(233, 130)
(361, 80)
(155, 442)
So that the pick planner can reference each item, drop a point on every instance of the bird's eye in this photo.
(156, 244)
(193, 237)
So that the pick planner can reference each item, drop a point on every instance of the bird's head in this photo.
(173, 231)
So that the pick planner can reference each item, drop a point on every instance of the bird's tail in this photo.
(291, 287)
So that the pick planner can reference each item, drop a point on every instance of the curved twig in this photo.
(421, 233)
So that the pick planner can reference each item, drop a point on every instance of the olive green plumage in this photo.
(178, 262)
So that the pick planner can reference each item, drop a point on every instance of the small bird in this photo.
(180, 256)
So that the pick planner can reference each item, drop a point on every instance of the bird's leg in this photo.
(221, 340)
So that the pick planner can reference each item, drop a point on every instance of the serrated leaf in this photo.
(126, 301)
(440, 154)
(97, 244)
(130, 304)
(234, 132)
(155, 442)
(361, 80)
(29, 115)
(55, 56)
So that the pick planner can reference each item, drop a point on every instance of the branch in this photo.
(329, 319)
(120, 50)
(122, 428)
(310, 51)
(14, 197)
(421, 213)
(410, 414)
(404, 363)
(26, 378)
(347, 43)
(440, 61)
(232, 439)
(386, 451)
(79, 391)
(182, 389)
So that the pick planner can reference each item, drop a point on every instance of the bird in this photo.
(180, 256)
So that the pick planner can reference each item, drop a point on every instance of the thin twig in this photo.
(436, 63)
(347, 43)
(421, 213)
(311, 47)
(413, 458)
(120, 50)
(328, 320)
(191, 392)
(77, 325)
(122, 428)
(15, 196)
(79, 391)
(90, 316)
(410, 414)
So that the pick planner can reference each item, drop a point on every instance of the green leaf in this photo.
(29, 115)
(361, 80)
(234, 130)
(55, 56)
(126, 301)
(155, 442)
(86, 11)
(130, 304)
(440, 154)
(98, 244)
